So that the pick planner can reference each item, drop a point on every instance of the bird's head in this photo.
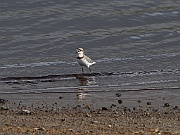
(80, 52)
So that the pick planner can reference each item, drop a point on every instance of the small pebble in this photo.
(42, 129)
(88, 115)
(113, 105)
(166, 105)
(120, 101)
(4, 108)
(86, 131)
(104, 108)
(155, 109)
(175, 108)
(156, 130)
(60, 97)
(139, 101)
(3, 101)
(148, 103)
(128, 109)
(118, 94)
(109, 126)
(63, 119)
(125, 109)
(94, 122)
(71, 130)
(115, 112)
(25, 112)
(146, 114)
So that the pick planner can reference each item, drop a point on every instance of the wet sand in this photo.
(55, 117)
(134, 87)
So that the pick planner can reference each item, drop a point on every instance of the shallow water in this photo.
(136, 46)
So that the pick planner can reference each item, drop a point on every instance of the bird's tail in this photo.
(93, 63)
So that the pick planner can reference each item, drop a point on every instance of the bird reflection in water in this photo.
(84, 81)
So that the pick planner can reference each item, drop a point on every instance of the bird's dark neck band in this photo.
(80, 57)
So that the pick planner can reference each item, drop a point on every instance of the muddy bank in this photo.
(86, 119)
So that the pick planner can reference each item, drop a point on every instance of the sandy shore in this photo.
(85, 119)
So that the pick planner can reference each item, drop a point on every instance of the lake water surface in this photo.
(136, 46)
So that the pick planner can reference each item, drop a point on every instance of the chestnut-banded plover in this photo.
(83, 60)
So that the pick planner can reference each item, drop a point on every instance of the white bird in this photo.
(83, 60)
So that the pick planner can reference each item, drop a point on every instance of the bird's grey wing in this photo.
(88, 59)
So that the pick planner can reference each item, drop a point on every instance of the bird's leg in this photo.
(89, 69)
(82, 69)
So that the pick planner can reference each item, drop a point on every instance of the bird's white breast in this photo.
(84, 62)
